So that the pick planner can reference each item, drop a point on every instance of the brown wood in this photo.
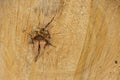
(86, 34)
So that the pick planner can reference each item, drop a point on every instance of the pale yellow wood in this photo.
(86, 34)
(100, 56)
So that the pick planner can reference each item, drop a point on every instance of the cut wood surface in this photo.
(85, 33)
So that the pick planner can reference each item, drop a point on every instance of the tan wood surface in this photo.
(86, 34)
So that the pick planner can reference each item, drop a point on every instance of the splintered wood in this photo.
(85, 34)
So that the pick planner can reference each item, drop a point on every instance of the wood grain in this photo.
(86, 34)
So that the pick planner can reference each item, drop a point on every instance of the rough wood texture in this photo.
(86, 34)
